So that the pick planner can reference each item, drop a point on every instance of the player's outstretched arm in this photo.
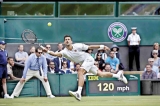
(58, 54)
(98, 46)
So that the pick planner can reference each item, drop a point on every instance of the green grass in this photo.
(86, 101)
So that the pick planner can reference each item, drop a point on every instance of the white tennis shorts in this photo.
(89, 66)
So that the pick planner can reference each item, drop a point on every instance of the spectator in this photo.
(32, 50)
(96, 63)
(52, 67)
(65, 69)
(134, 49)
(149, 74)
(21, 56)
(3, 68)
(60, 47)
(9, 69)
(113, 61)
(155, 47)
(77, 67)
(156, 58)
(90, 51)
(48, 56)
(154, 68)
(107, 68)
(103, 53)
(115, 48)
(100, 61)
(59, 60)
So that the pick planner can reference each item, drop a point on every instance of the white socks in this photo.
(115, 76)
(79, 89)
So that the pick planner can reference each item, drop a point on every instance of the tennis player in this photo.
(75, 52)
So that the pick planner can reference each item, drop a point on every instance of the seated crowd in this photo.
(107, 62)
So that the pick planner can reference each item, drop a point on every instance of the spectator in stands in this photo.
(48, 56)
(65, 69)
(52, 68)
(134, 49)
(103, 53)
(149, 74)
(107, 68)
(3, 68)
(9, 69)
(113, 61)
(77, 67)
(156, 58)
(101, 62)
(96, 63)
(59, 60)
(156, 47)
(32, 50)
(21, 56)
(90, 51)
(154, 68)
(35, 64)
(115, 48)
(60, 47)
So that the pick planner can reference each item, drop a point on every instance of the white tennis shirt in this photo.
(77, 54)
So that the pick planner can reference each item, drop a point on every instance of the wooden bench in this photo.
(133, 72)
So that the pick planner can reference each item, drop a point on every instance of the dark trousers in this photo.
(134, 51)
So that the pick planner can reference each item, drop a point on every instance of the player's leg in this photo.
(85, 67)
(19, 86)
(45, 84)
(119, 75)
(77, 94)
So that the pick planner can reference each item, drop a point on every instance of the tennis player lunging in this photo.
(75, 52)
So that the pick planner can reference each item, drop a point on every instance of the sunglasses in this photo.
(64, 63)
(99, 55)
(40, 52)
(48, 47)
(155, 53)
(95, 64)
(151, 61)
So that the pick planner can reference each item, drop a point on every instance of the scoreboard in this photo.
(100, 86)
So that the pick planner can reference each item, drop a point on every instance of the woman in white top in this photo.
(134, 50)
(156, 58)
(156, 47)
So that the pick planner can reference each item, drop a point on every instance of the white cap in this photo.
(150, 59)
(154, 51)
(133, 28)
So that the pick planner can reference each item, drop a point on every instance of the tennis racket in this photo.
(28, 36)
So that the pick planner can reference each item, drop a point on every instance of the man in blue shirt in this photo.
(113, 61)
(34, 65)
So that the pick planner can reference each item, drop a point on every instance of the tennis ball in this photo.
(49, 23)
